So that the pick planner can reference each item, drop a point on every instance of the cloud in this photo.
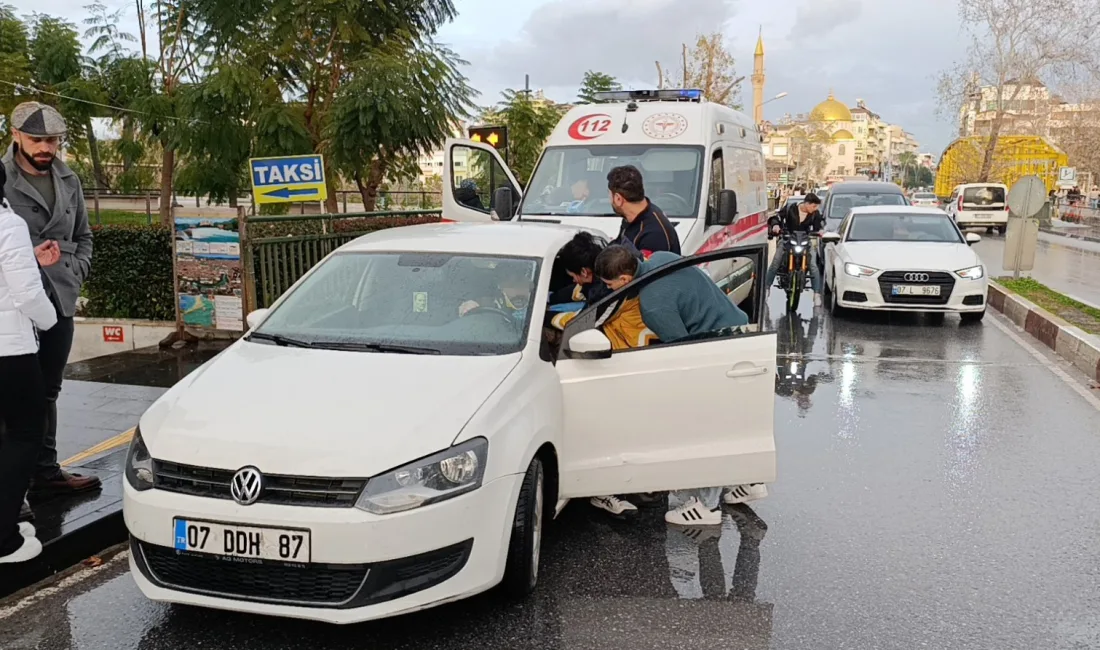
(819, 18)
(563, 38)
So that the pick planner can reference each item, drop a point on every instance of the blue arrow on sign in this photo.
(286, 192)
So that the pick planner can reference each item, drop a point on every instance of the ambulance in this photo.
(702, 163)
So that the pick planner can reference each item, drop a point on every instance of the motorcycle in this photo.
(795, 276)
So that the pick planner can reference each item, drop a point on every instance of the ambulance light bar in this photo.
(678, 95)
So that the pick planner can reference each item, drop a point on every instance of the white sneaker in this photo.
(614, 505)
(26, 529)
(694, 513)
(817, 300)
(744, 493)
(30, 549)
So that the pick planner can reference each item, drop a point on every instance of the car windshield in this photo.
(842, 203)
(983, 196)
(427, 303)
(573, 180)
(903, 227)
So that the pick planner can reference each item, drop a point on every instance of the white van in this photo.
(702, 164)
(979, 205)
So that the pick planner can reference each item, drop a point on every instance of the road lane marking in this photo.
(107, 445)
(65, 583)
(1051, 365)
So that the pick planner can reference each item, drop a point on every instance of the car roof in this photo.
(897, 209)
(484, 238)
(854, 187)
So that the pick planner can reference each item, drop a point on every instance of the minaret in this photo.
(758, 80)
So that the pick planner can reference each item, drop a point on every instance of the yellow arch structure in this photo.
(1016, 156)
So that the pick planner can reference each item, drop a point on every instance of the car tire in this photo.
(521, 572)
(1002, 230)
(835, 310)
(972, 317)
(936, 317)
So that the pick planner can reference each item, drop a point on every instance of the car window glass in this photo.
(475, 175)
(573, 180)
(455, 304)
(983, 196)
(717, 184)
(702, 301)
(903, 227)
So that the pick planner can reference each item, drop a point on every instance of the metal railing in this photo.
(276, 251)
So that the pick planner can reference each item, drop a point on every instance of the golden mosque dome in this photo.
(843, 134)
(831, 110)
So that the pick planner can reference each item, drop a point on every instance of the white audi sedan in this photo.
(904, 258)
(394, 432)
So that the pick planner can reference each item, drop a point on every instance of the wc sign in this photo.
(113, 334)
(288, 179)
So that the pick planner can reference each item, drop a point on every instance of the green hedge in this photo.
(131, 273)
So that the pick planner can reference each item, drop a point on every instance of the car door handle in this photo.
(746, 370)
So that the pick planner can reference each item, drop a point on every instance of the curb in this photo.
(1070, 343)
(1067, 235)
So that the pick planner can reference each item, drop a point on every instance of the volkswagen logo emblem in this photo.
(247, 486)
(916, 277)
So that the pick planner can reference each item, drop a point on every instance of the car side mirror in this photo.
(830, 237)
(590, 344)
(727, 207)
(502, 204)
(972, 238)
(256, 317)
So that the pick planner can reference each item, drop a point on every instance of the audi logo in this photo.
(916, 277)
(246, 486)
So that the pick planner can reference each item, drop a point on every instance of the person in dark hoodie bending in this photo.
(681, 304)
(645, 226)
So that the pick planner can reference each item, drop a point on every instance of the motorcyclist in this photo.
(801, 217)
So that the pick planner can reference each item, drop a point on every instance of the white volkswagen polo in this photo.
(393, 433)
(904, 258)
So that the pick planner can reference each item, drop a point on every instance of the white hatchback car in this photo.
(393, 433)
(904, 259)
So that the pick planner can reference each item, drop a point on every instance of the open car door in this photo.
(689, 413)
(472, 174)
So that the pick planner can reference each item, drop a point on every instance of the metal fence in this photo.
(276, 251)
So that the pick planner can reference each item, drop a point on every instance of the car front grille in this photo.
(278, 489)
(338, 586)
(888, 279)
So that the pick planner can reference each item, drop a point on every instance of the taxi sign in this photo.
(288, 179)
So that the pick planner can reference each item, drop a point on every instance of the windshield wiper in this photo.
(278, 339)
(355, 346)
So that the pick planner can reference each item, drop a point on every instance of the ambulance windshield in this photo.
(572, 181)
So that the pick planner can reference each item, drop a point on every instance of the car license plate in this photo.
(916, 290)
(253, 542)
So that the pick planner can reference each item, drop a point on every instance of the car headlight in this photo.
(438, 477)
(972, 273)
(139, 464)
(857, 271)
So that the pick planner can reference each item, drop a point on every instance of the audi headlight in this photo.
(972, 273)
(857, 271)
(438, 477)
(139, 464)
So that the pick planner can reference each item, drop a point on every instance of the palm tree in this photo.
(907, 160)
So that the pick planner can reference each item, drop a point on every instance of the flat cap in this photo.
(37, 119)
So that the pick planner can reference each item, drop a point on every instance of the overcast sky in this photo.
(886, 53)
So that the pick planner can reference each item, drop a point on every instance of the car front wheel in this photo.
(972, 317)
(521, 573)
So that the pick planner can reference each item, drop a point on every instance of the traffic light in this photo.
(495, 136)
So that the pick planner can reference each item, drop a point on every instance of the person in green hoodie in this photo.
(681, 304)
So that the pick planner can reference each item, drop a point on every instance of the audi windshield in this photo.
(904, 227)
(572, 181)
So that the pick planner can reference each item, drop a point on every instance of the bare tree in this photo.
(708, 66)
(1016, 44)
(809, 147)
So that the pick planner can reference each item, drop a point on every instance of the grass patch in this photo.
(1076, 313)
(119, 217)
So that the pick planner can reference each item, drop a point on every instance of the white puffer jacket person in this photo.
(24, 308)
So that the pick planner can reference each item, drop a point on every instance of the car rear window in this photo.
(984, 196)
(841, 203)
(924, 195)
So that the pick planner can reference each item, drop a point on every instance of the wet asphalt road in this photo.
(939, 488)
(1070, 266)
